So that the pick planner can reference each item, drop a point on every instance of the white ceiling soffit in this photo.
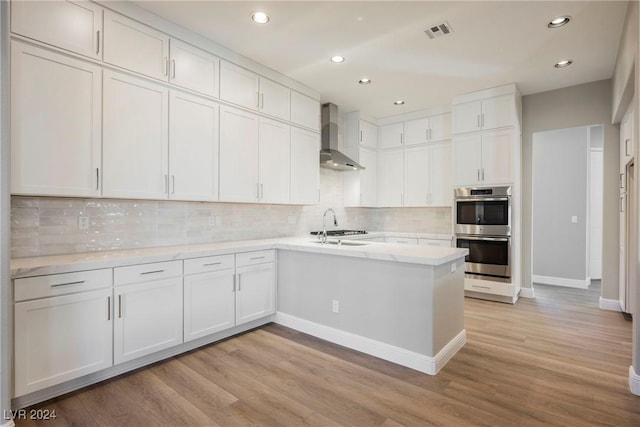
(494, 43)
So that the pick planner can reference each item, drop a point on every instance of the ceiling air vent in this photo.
(439, 30)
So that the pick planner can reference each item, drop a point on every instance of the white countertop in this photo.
(37, 266)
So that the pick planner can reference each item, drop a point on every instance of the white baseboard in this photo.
(610, 304)
(420, 362)
(562, 281)
(527, 292)
(634, 381)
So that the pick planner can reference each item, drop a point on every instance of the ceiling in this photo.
(493, 43)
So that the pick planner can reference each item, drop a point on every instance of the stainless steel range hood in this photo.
(330, 156)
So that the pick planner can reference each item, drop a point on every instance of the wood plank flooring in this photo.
(557, 360)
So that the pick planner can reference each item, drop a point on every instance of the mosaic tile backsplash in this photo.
(49, 226)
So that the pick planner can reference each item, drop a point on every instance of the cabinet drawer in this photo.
(208, 263)
(61, 284)
(146, 272)
(402, 240)
(434, 242)
(256, 257)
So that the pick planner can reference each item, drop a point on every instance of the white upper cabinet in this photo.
(416, 131)
(135, 138)
(194, 69)
(71, 25)
(55, 124)
(368, 134)
(391, 136)
(490, 113)
(484, 158)
(193, 147)
(305, 167)
(275, 99)
(390, 178)
(238, 155)
(428, 129)
(135, 47)
(305, 111)
(416, 176)
(368, 178)
(273, 161)
(239, 85)
(440, 174)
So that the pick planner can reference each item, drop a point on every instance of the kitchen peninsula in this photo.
(397, 302)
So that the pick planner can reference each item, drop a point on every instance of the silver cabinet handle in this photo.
(478, 174)
(483, 174)
(262, 100)
(480, 287)
(621, 203)
(173, 68)
(152, 272)
(166, 184)
(120, 306)
(97, 179)
(173, 184)
(79, 282)
(257, 99)
(426, 133)
(238, 282)
(166, 66)
(233, 288)
(360, 136)
(256, 257)
(209, 264)
(622, 180)
(401, 139)
(108, 308)
(97, 42)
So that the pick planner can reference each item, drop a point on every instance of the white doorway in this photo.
(567, 178)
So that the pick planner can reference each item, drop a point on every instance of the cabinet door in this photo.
(61, 338)
(498, 112)
(273, 164)
(148, 318)
(238, 85)
(467, 117)
(440, 127)
(390, 136)
(390, 178)
(255, 293)
(305, 111)
(497, 158)
(193, 68)
(55, 124)
(72, 25)
(416, 131)
(209, 303)
(275, 99)
(305, 168)
(368, 178)
(467, 151)
(238, 155)
(135, 135)
(440, 176)
(368, 134)
(416, 176)
(193, 147)
(135, 47)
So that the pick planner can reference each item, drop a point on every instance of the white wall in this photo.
(560, 180)
(595, 202)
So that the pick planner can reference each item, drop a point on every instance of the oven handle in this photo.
(490, 239)
(482, 199)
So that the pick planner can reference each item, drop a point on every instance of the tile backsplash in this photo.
(49, 225)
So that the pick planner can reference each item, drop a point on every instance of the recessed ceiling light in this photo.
(559, 21)
(337, 59)
(364, 81)
(563, 63)
(260, 17)
(398, 103)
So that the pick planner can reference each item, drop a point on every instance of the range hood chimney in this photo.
(330, 156)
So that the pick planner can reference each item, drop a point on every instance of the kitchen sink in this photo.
(343, 243)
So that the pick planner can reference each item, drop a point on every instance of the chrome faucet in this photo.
(324, 226)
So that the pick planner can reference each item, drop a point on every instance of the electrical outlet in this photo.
(574, 219)
(335, 306)
(83, 222)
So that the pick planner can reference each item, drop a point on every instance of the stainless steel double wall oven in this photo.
(483, 225)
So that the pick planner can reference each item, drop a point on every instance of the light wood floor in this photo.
(554, 361)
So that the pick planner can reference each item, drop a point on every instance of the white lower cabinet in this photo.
(209, 296)
(61, 338)
(255, 285)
